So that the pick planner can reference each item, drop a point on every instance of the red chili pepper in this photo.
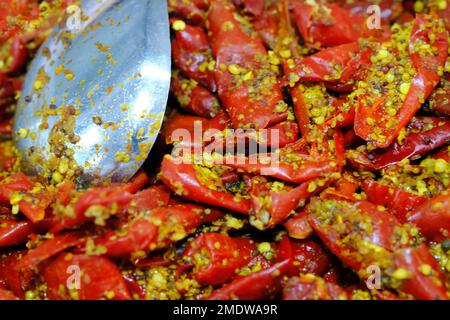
(422, 285)
(178, 221)
(267, 25)
(7, 295)
(254, 7)
(309, 287)
(333, 220)
(33, 209)
(99, 278)
(405, 17)
(191, 11)
(31, 203)
(380, 230)
(10, 276)
(332, 65)
(389, 9)
(190, 131)
(182, 179)
(194, 98)
(332, 275)
(287, 134)
(131, 238)
(135, 289)
(230, 176)
(300, 110)
(64, 191)
(417, 143)
(443, 153)
(434, 133)
(304, 104)
(347, 185)
(202, 4)
(357, 96)
(291, 167)
(158, 260)
(150, 198)
(17, 269)
(439, 100)
(164, 226)
(433, 217)
(298, 226)
(387, 295)
(6, 128)
(48, 249)
(277, 136)
(27, 10)
(342, 118)
(351, 139)
(270, 205)
(17, 182)
(18, 53)
(8, 88)
(136, 183)
(339, 148)
(207, 255)
(426, 78)
(7, 156)
(243, 74)
(104, 196)
(13, 232)
(274, 27)
(260, 285)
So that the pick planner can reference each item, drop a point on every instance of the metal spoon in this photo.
(94, 97)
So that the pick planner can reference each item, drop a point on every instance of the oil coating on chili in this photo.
(361, 179)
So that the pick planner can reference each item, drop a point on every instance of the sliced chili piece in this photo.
(244, 75)
(433, 217)
(306, 256)
(216, 257)
(260, 285)
(100, 279)
(192, 55)
(298, 226)
(310, 287)
(326, 25)
(182, 179)
(99, 197)
(398, 201)
(14, 232)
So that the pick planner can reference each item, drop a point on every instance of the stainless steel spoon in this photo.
(94, 97)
